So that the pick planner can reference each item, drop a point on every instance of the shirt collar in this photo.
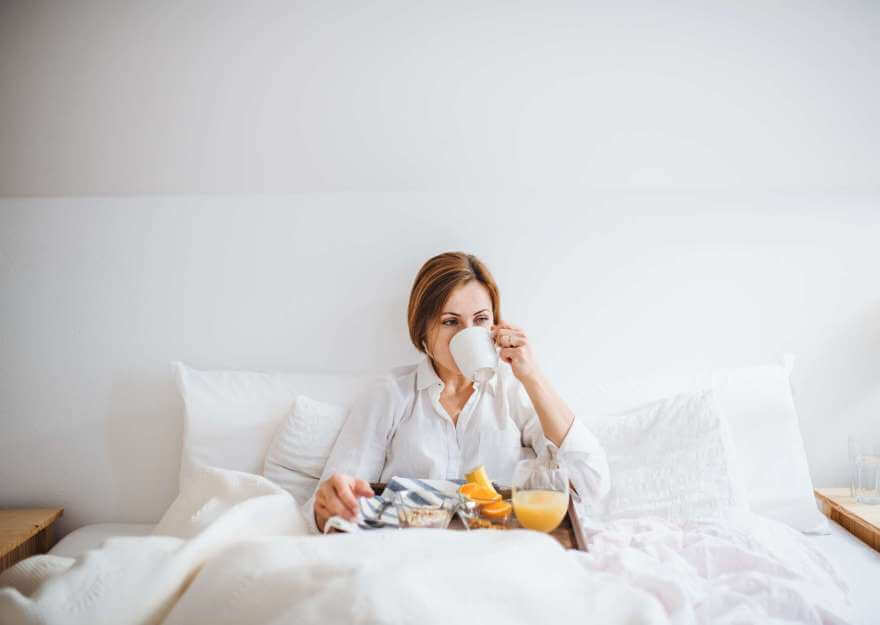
(427, 377)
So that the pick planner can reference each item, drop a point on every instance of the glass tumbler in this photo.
(540, 493)
(864, 458)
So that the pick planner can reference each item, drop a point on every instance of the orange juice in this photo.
(540, 510)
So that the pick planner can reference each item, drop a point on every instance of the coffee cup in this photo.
(474, 352)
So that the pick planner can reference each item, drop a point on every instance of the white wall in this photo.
(171, 96)
(656, 191)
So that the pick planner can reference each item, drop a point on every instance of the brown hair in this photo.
(437, 278)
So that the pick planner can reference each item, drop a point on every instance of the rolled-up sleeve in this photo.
(361, 446)
(581, 450)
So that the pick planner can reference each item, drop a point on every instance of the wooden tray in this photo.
(570, 532)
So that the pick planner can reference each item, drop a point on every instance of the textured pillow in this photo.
(758, 405)
(302, 444)
(673, 458)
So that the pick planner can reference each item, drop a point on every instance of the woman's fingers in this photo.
(503, 325)
(322, 512)
(334, 507)
(363, 488)
(506, 338)
(502, 329)
(516, 349)
(509, 354)
(337, 497)
(342, 486)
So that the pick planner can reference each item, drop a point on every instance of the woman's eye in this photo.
(452, 322)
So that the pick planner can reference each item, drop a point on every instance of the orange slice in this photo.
(478, 493)
(467, 488)
(479, 476)
(496, 510)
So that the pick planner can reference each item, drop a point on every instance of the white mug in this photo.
(474, 352)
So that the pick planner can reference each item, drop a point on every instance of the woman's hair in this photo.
(437, 278)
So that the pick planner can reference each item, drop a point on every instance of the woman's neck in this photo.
(452, 382)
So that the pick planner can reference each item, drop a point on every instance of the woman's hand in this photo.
(516, 350)
(337, 495)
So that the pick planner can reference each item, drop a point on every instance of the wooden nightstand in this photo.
(860, 519)
(25, 532)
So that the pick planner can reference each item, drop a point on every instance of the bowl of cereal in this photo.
(421, 508)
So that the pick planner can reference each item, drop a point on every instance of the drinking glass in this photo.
(864, 458)
(540, 493)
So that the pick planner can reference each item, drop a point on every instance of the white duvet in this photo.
(233, 548)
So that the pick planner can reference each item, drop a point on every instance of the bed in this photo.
(234, 547)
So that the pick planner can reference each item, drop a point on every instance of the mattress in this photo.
(858, 563)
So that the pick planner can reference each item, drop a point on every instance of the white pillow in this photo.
(674, 458)
(758, 404)
(230, 417)
(302, 444)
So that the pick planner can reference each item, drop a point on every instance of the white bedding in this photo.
(860, 567)
(233, 548)
(858, 564)
(93, 536)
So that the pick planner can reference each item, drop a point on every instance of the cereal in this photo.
(424, 517)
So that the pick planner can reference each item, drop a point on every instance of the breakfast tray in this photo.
(570, 532)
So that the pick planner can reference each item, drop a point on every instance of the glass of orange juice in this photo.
(540, 493)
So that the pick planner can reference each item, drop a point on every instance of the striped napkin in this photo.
(430, 491)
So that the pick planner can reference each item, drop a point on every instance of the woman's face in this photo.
(468, 305)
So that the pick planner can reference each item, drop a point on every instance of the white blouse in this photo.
(399, 428)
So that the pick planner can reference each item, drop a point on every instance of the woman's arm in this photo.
(583, 452)
(555, 415)
(516, 350)
(545, 418)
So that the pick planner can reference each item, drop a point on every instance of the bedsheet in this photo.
(860, 567)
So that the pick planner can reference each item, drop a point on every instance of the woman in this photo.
(429, 421)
